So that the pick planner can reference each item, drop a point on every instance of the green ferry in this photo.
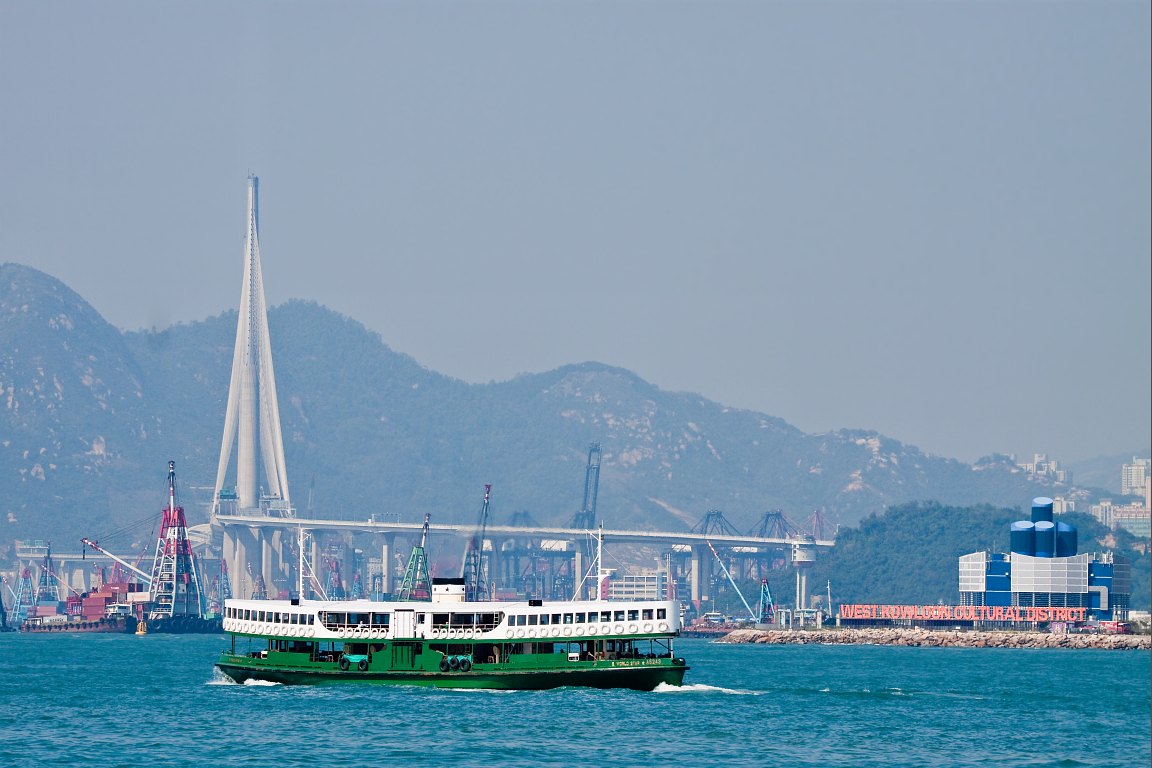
(446, 642)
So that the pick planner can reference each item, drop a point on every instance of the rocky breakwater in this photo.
(938, 639)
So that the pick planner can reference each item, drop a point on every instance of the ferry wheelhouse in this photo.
(446, 642)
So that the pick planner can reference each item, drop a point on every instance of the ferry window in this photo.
(633, 614)
(579, 618)
(661, 613)
(647, 614)
(605, 615)
(380, 619)
(531, 621)
(247, 614)
(567, 618)
(556, 619)
(440, 619)
(261, 614)
(311, 619)
(543, 618)
(419, 620)
(619, 615)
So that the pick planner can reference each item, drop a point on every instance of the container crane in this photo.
(474, 572)
(417, 584)
(767, 606)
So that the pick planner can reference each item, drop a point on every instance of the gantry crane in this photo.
(475, 572)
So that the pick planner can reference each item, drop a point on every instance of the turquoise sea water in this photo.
(121, 700)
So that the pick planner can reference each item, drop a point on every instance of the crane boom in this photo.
(147, 577)
(731, 581)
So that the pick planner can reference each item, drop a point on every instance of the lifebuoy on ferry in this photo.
(580, 631)
(619, 629)
(531, 633)
(568, 631)
(663, 626)
(593, 629)
(311, 632)
(632, 629)
(510, 633)
(648, 626)
(555, 631)
(519, 633)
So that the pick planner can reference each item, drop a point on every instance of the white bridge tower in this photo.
(252, 406)
(252, 426)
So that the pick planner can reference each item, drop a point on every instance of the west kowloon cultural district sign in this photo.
(962, 613)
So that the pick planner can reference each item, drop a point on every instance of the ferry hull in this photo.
(641, 678)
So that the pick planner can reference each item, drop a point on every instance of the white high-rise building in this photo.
(1133, 477)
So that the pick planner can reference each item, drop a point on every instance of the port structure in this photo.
(23, 597)
(417, 584)
(175, 578)
(475, 567)
(47, 590)
(586, 518)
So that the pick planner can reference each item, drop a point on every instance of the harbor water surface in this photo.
(122, 700)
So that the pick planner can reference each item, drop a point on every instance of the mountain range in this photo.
(90, 416)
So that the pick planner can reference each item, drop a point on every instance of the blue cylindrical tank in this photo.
(1041, 509)
(1045, 538)
(1023, 538)
(1065, 540)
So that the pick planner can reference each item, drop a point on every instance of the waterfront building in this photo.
(1045, 570)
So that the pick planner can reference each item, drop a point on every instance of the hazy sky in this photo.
(930, 219)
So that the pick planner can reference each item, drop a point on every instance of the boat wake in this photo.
(701, 688)
(219, 678)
